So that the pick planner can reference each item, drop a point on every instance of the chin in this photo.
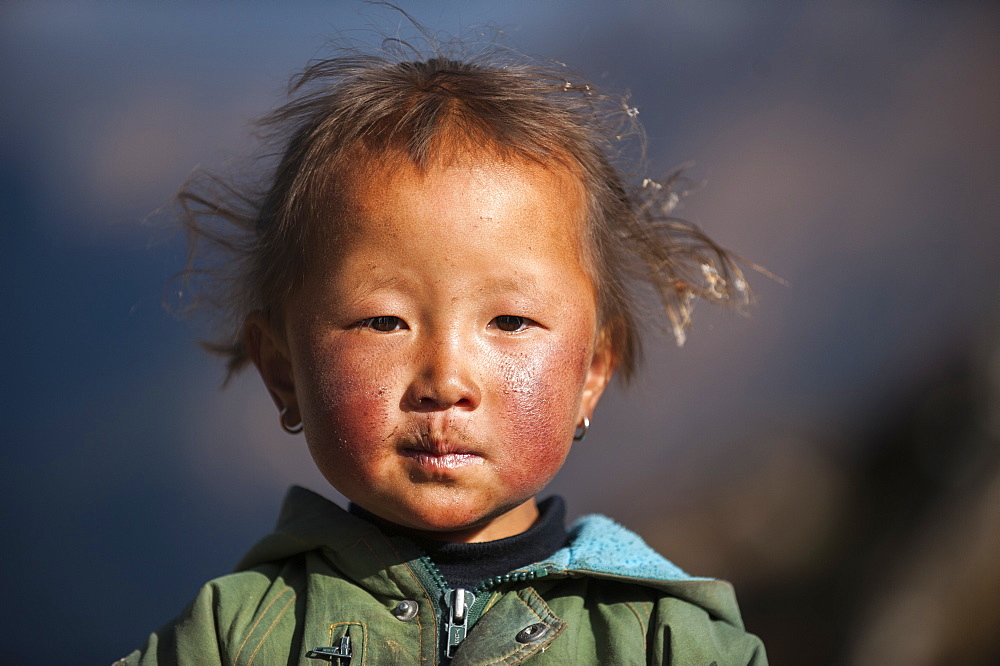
(488, 525)
(445, 521)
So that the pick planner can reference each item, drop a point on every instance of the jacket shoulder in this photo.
(230, 618)
(688, 633)
(682, 618)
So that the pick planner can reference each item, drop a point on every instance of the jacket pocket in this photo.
(348, 646)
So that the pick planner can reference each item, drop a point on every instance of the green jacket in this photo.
(325, 575)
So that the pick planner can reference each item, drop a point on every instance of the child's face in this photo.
(443, 349)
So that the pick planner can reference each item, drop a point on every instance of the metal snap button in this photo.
(532, 633)
(406, 610)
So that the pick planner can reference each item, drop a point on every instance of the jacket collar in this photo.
(598, 547)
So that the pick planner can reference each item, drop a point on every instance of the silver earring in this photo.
(582, 430)
(291, 430)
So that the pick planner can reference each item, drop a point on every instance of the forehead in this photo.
(467, 189)
(492, 225)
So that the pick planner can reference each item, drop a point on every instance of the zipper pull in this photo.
(341, 652)
(459, 601)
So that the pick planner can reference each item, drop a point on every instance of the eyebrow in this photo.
(370, 283)
(523, 284)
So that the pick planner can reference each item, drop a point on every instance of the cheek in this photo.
(343, 396)
(540, 401)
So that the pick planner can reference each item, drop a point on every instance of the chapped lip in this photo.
(441, 461)
(438, 447)
(438, 439)
(434, 452)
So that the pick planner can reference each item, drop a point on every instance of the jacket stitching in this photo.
(541, 601)
(364, 637)
(270, 629)
(523, 647)
(519, 650)
(254, 627)
(642, 625)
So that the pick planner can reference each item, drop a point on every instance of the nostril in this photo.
(437, 389)
(432, 403)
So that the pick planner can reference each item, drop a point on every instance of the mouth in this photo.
(433, 453)
(441, 461)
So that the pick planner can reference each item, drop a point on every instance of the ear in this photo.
(268, 349)
(602, 368)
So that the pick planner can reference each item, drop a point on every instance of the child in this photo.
(436, 288)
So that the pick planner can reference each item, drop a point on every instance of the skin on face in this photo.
(443, 348)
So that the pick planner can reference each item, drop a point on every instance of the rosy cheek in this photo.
(347, 404)
(540, 400)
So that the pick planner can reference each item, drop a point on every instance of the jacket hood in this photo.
(598, 547)
(307, 521)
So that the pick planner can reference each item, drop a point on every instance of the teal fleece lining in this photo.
(599, 545)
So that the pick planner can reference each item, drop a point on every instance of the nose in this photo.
(444, 378)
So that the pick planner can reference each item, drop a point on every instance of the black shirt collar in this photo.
(468, 564)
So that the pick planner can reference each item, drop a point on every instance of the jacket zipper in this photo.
(459, 602)
(460, 608)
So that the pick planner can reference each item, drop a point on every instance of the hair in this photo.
(247, 245)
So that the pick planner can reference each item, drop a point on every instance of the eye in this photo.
(382, 324)
(511, 323)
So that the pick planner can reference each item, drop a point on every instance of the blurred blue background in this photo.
(834, 454)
